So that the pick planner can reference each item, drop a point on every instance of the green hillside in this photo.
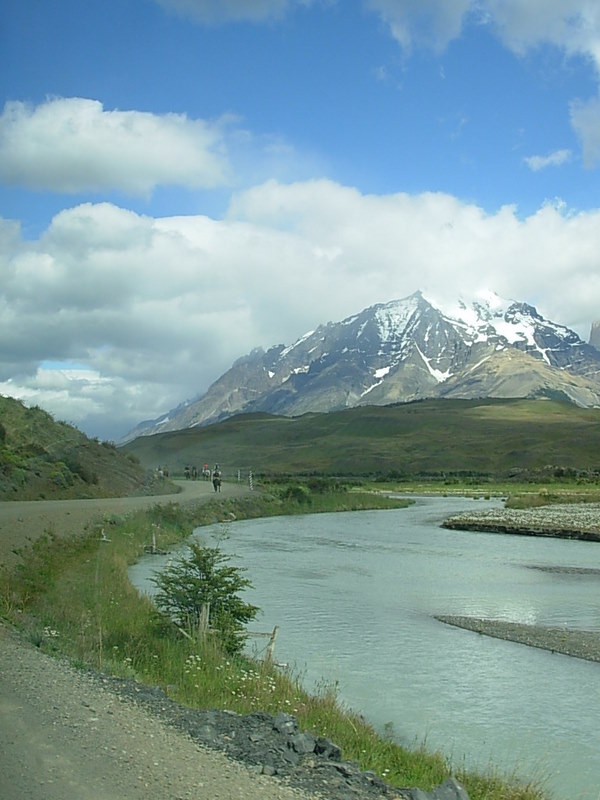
(431, 437)
(41, 458)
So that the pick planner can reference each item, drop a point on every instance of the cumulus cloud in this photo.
(432, 23)
(571, 25)
(555, 159)
(74, 145)
(148, 312)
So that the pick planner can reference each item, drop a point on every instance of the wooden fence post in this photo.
(271, 645)
(203, 620)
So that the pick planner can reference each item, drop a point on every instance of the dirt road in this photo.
(24, 521)
(65, 735)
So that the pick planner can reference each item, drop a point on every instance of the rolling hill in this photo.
(44, 459)
(429, 437)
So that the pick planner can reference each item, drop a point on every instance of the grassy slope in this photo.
(73, 597)
(41, 458)
(491, 437)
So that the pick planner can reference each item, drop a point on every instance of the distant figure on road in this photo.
(217, 479)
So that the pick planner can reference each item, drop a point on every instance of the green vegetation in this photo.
(74, 597)
(452, 441)
(201, 594)
(44, 459)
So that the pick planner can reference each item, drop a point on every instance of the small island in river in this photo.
(565, 521)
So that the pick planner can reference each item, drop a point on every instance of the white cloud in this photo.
(585, 119)
(432, 23)
(571, 25)
(555, 159)
(154, 310)
(74, 145)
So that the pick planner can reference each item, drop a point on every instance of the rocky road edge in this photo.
(69, 732)
(273, 745)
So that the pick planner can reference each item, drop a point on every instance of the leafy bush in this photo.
(300, 494)
(204, 587)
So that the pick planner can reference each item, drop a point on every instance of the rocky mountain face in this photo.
(595, 335)
(401, 351)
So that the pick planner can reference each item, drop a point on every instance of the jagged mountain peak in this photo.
(403, 350)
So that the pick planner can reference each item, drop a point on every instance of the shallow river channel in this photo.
(355, 594)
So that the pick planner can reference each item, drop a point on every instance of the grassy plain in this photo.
(72, 596)
(507, 440)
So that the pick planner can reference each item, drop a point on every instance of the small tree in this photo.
(205, 581)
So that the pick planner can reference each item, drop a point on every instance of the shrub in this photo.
(297, 493)
(204, 587)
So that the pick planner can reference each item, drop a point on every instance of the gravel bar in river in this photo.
(579, 644)
(563, 521)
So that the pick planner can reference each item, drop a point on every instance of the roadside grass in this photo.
(72, 597)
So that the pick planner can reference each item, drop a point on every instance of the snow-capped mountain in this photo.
(400, 351)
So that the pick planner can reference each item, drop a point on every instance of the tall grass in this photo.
(73, 596)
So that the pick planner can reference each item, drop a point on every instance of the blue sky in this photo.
(184, 180)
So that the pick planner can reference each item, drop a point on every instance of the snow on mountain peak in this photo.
(482, 306)
(392, 318)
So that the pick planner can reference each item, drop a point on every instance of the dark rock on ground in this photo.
(274, 745)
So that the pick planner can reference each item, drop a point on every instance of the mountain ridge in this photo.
(401, 351)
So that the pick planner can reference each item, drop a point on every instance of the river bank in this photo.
(564, 521)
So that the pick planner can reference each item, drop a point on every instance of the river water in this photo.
(354, 596)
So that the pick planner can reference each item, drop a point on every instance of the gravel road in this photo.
(22, 521)
(66, 736)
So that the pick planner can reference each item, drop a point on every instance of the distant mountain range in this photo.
(402, 351)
